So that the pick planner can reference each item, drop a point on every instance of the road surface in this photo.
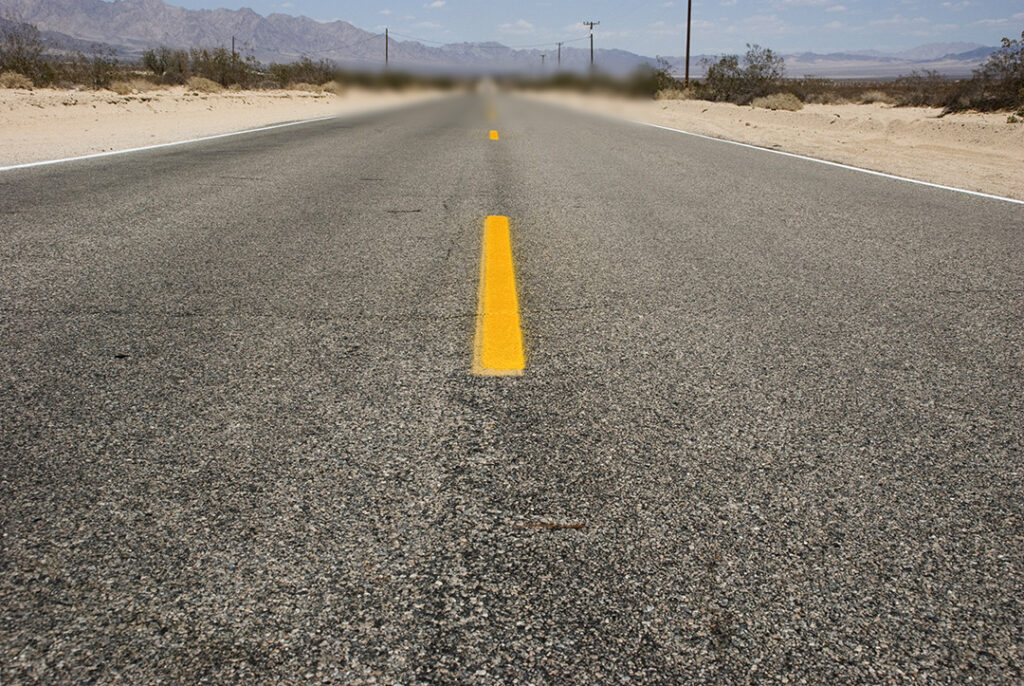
(770, 423)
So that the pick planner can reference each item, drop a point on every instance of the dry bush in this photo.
(201, 85)
(142, 85)
(334, 88)
(305, 87)
(871, 97)
(676, 94)
(12, 79)
(121, 87)
(778, 101)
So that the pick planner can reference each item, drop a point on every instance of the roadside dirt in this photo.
(979, 152)
(45, 124)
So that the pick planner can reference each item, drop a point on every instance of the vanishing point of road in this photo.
(764, 422)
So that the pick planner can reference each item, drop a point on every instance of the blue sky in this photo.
(655, 27)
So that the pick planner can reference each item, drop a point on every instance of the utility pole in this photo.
(232, 47)
(387, 47)
(591, 24)
(560, 56)
(542, 58)
(689, 20)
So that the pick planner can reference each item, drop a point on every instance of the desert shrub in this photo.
(223, 66)
(922, 89)
(303, 71)
(200, 84)
(21, 50)
(761, 72)
(778, 101)
(996, 85)
(169, 66)
(96, 70)
(12, 79)
(875, 96)
(121, 87)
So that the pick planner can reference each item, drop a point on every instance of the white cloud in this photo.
(436, 5)
(518, 27)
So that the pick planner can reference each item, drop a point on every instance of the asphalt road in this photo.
(770, 426)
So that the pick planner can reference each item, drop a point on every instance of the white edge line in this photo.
(833, 164)
(156, 146)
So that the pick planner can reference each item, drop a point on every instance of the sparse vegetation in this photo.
(778, 101)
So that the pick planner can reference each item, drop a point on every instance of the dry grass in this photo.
(778, 101)
(12, 79)
(121, 87)
(305, 87)
(676, 94)
(334, 88)
(201, 85)
(871, 97)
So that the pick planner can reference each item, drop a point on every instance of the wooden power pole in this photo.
(387, 48)
(591, 24)
(689, 20)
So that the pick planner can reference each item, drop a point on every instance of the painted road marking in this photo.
(498, 346)
(494, 135)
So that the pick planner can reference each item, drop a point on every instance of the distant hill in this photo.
(132, 26)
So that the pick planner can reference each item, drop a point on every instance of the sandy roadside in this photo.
(979, 152)
(46, 124)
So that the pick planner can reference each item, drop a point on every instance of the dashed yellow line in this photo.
(498, 347)
(494, 135)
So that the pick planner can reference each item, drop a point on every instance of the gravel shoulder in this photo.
(45, 124)
(975, 151)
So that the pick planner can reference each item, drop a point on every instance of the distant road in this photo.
(770, 421)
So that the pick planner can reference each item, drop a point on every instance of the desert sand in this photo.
(44, 124)
(974, 151)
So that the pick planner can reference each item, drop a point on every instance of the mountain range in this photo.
(132, 26)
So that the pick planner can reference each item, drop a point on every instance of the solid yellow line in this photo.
(494, 135)
(498, 348)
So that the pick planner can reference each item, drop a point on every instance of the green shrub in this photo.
(760, 73)
(778, 101)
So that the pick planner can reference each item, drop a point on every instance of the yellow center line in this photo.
(498, 347)
(494, 135)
